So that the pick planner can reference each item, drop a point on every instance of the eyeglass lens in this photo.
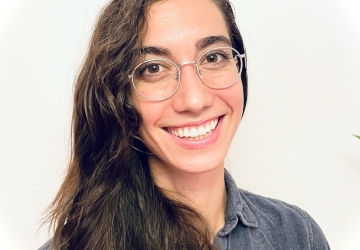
(158, 79)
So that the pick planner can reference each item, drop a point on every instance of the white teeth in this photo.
(201, 130)
(212, 124)
(186, 132)
(195, 133)
(207, 128)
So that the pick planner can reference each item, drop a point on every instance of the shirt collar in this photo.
(236, 208)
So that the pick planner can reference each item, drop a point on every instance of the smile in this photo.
(195, 132)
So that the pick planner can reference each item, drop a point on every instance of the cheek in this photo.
(150, 115)
(141, 108)
(234, 97)
(147, 121)
(147, 132)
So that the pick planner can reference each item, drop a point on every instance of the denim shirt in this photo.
(254, 222)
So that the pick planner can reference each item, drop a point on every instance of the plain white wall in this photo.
(294, 143)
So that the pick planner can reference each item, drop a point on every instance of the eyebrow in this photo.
(210, 40)
(201, 44)
(159, 51)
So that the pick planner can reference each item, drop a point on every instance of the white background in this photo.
(294, 143)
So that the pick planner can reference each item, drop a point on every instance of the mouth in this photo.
(195, 132)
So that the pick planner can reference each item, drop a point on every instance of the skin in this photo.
(192, 173)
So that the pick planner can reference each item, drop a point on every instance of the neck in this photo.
(205, 192)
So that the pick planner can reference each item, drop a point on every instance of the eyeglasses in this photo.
(158, 79)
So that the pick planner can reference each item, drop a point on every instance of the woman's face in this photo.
(180, 27)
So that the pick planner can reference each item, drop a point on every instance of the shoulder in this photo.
(269, 205)
(280, 218)
(46, 246)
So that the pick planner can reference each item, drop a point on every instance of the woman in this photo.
(157, 103)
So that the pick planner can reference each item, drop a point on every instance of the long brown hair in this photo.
(108, 199)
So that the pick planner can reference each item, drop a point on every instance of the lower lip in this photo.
(201, 143)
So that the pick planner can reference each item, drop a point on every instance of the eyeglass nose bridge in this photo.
(187, 63)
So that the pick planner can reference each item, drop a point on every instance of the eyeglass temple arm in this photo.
(241, 57)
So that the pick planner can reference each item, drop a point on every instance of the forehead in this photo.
(177, 22)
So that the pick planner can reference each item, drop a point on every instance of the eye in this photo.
(155, 70)
(152, 69)
(216, 59)
(216, 56)
(212, 58)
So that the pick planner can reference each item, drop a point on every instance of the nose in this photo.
(192, 94)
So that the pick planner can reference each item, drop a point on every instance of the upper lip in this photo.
(193, 123)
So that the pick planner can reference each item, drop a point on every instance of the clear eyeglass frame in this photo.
(236, 55)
